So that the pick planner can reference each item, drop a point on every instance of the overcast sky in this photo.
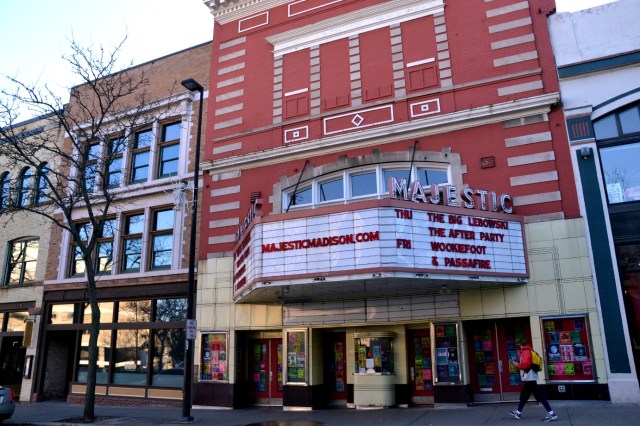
(34, 34)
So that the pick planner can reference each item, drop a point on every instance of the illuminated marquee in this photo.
(435, 241)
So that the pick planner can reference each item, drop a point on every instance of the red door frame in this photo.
(417, 342)
(492, 346)
(265, 368)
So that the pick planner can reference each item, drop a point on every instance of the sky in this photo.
(34, 34)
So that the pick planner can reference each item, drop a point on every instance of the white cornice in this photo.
(225, 11)
(386, 134)
(360, 21)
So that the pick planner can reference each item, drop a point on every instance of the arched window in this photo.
(23, 189)
(22, 260)
(5, 190)
(41, 184)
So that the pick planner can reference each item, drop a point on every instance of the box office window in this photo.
(446, 354)
(213, 357)
(296, 350)
(567, 349)
(374, 355)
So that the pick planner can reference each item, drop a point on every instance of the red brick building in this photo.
(389, 207)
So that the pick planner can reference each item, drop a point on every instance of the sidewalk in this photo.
(578, 413)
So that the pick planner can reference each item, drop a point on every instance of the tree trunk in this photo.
(94, 330)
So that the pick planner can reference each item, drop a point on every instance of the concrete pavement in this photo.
(578, 413)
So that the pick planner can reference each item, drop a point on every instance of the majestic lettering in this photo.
(254, 210)
(467, 198)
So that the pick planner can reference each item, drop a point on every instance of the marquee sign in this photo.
(424, 241)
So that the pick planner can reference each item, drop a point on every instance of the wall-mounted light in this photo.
(585, 152)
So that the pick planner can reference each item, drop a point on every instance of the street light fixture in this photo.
(193, 86)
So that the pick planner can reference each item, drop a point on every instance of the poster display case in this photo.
(374, 374)
(374, 355)
(446, 347)
(567, 350)
(213, 357)
(296, 361)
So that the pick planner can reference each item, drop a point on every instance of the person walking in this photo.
(530, 380)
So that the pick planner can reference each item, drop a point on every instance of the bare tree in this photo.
(82, 171)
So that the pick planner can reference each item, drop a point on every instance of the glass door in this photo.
(493, 345)
(335, 368)
(266, 371)
(420, 367)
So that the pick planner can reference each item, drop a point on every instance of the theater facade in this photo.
(389, 208)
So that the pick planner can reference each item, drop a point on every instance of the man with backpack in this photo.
(529, 376)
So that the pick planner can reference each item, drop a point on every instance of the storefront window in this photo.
(171, 310)
(62, 314)
(168, 358)
(16, 321)
(213, 359)
(620, 169)
(374, 355)
(567, 349)
(296, 341)
(104, 353)
(447, 364)
(131, 357)
(106, 312)
(134, 311)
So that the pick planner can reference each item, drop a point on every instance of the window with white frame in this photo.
(140, 156)
(78, 266)
(131, 242)
(104, 250)
(162, 239)
(151, 152)
(358, 183)
(90, 165)
(169, 150)
(114, 161)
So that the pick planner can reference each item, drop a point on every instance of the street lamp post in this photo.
(193, 86)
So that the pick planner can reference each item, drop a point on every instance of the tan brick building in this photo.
(24, 243)
(142, 255)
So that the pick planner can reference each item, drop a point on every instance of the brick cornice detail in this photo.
(349, 24)
(225, 11)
